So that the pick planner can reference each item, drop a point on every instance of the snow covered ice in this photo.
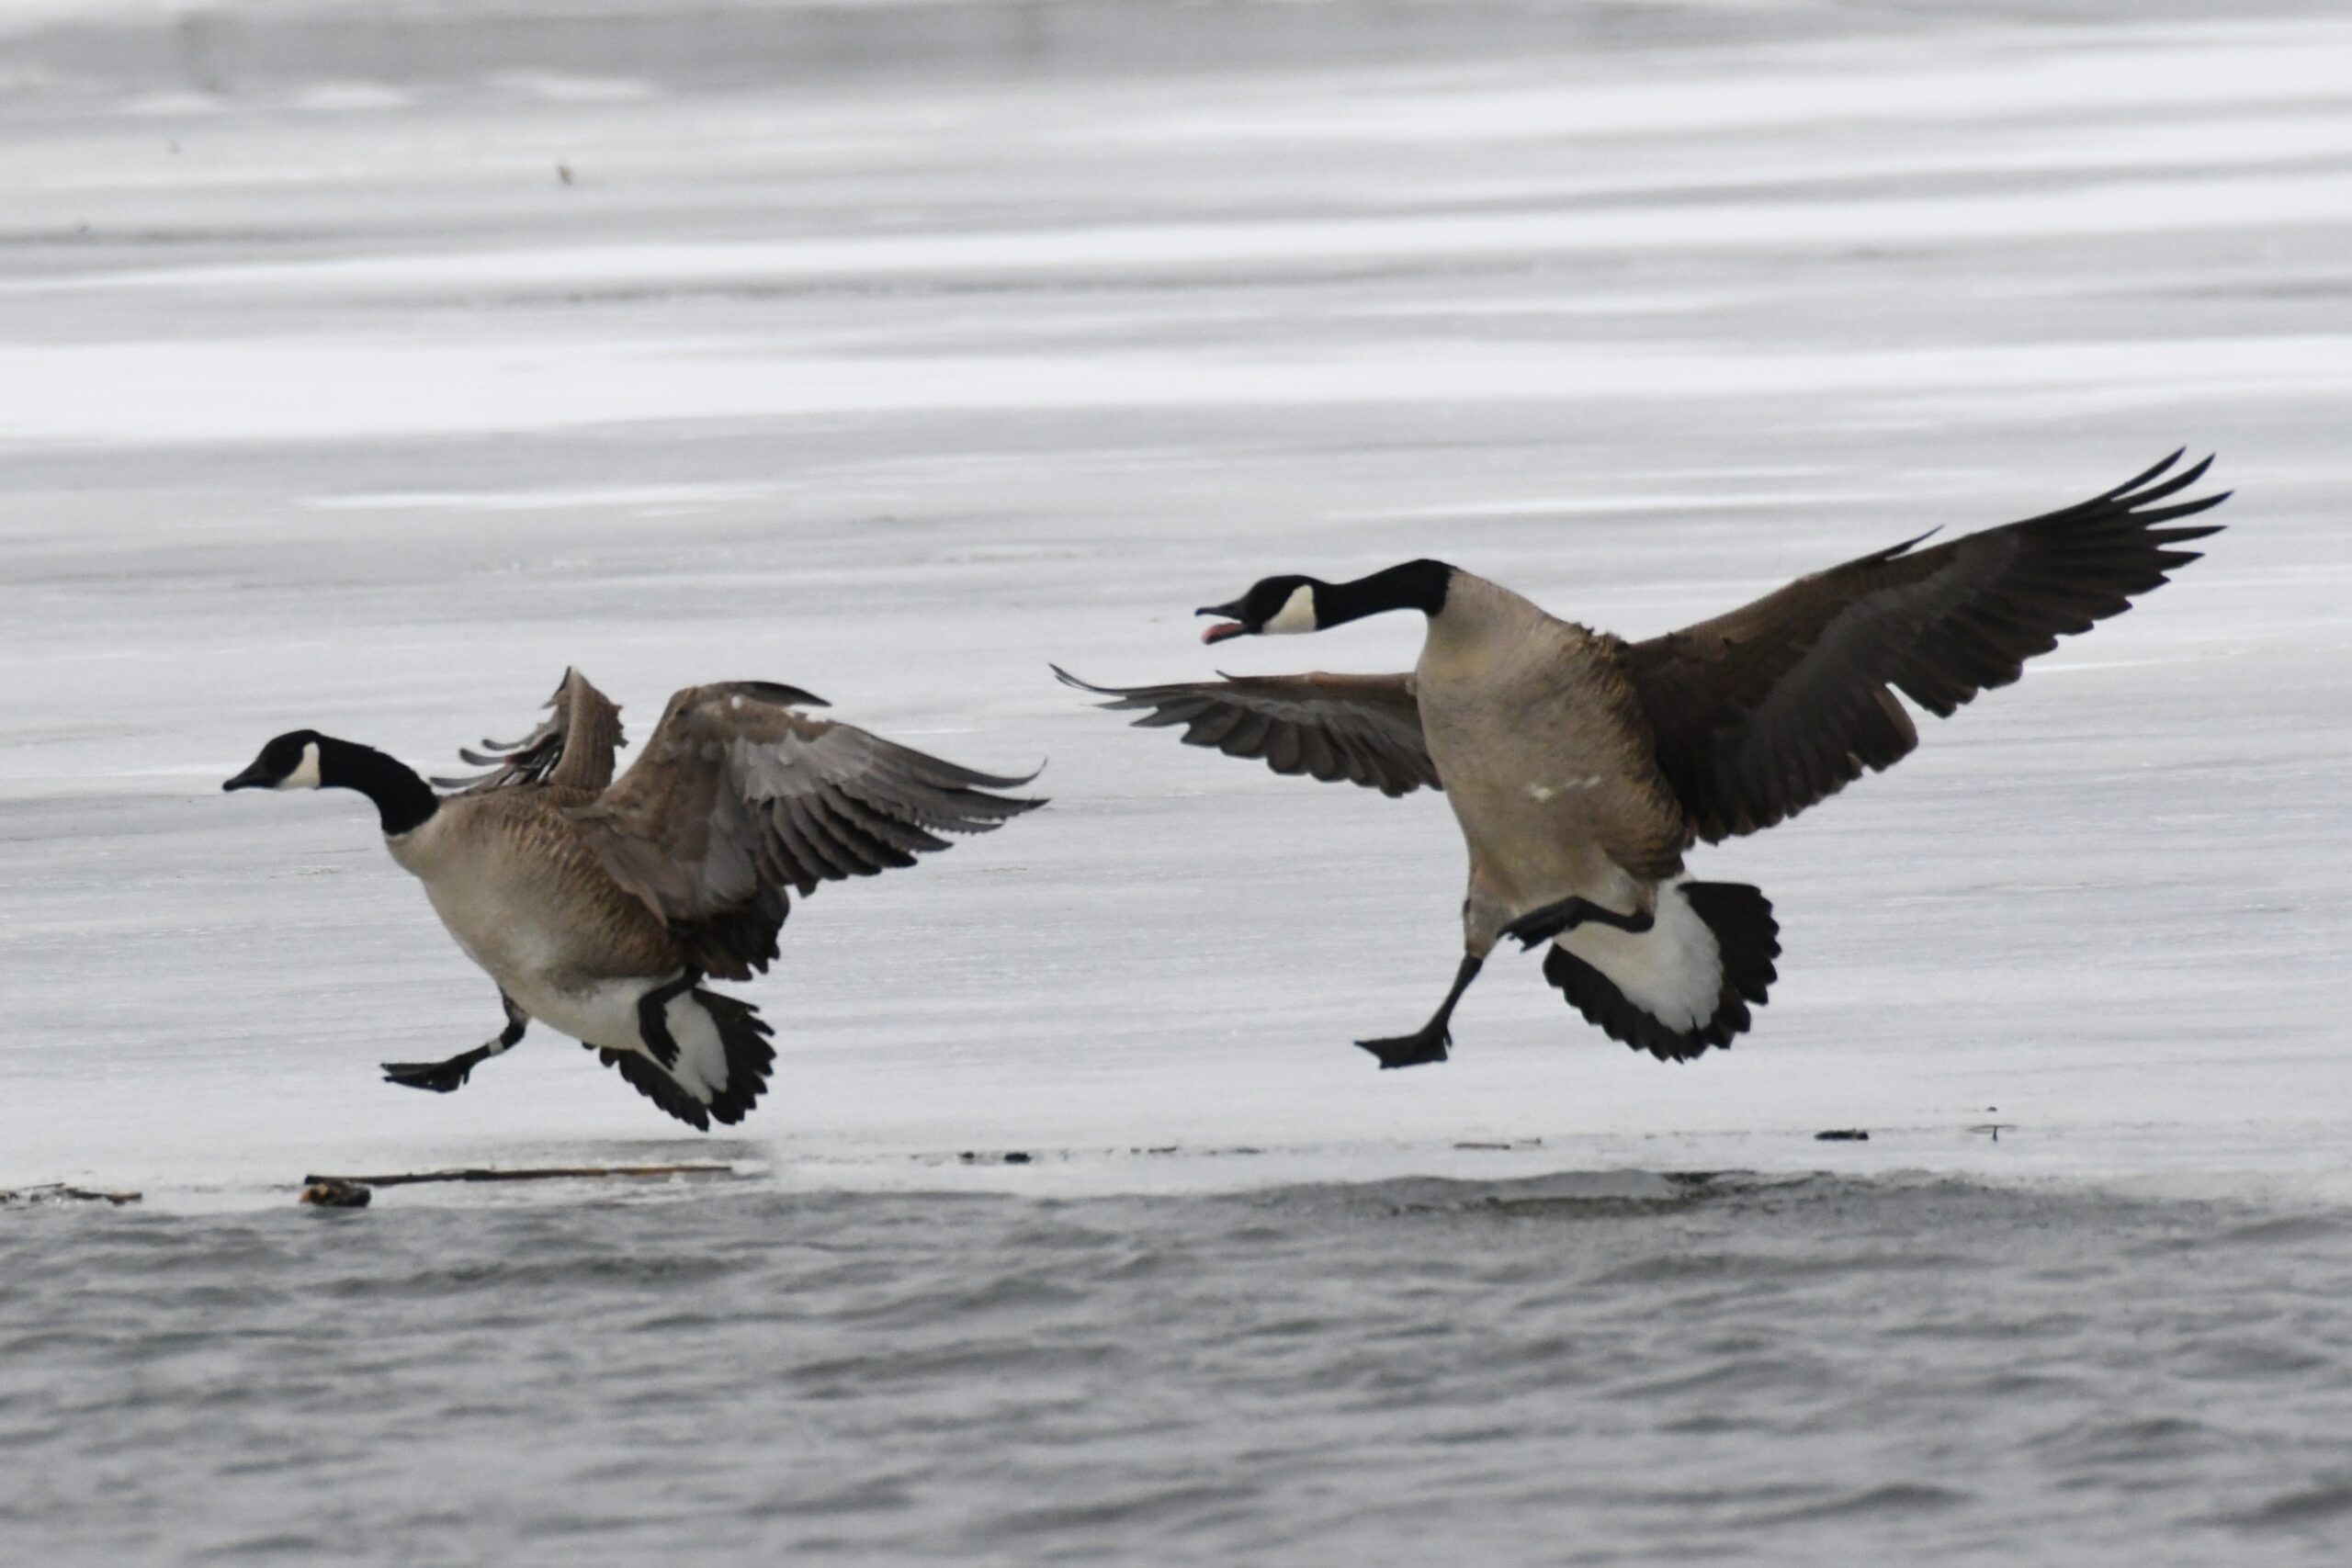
(327, 401)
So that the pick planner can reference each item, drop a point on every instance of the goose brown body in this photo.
(1546, 760)
(522, 892)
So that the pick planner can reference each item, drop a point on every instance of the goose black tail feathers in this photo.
(686, 1092)
(1685, 985)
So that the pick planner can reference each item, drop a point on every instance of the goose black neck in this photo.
(403, 801)
(1415, 585)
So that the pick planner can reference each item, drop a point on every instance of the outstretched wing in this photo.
(1762, 712)
(1364, 728)
(738, 797)
(571, 749)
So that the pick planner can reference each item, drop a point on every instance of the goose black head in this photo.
(1273, 605)
(291, 761)
(1278, 604)
(304, 758)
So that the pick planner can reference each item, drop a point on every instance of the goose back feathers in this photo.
(736, 800)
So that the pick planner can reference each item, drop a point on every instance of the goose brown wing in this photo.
(1760, 713)
(571, 749)
(1364, 728)
(737, 798)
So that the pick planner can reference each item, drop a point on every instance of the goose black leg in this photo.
(442, 1076)
(1538, 926)
(1428, 1042)
(653, 1017)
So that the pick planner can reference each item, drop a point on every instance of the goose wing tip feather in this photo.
(1764, 711)
(574, 747)
(1362, 729)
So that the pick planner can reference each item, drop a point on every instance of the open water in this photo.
(1611, 1368)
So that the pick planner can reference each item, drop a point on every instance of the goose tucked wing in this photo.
(1364, 728)
(1762, 712)
(737, 797)
(571, 749)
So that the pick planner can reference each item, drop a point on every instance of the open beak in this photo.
(1231, 627)
(255, 777)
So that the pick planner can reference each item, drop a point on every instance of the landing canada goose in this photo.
(600, 906)
(1581, 766)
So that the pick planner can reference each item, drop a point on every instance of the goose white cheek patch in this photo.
(306, 775)
(1297, 614)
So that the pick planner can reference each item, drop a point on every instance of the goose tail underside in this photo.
(1683, 986)
(719, 1066)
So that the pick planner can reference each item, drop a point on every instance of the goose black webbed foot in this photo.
(653, 1017)
(1536, 927)
(1428, 1043)
(441, 1077)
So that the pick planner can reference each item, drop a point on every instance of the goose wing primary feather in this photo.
(571, 749)
(1762, 712)
(737, 798)
(1364, 728)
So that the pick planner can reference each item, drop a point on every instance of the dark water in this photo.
(1580, 1369)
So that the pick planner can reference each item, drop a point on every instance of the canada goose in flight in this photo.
(1581, 766)
(600, 906)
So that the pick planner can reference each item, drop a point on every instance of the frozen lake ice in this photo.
(329, 402)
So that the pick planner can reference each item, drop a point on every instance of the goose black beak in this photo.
(255, 777)
(1232, 626)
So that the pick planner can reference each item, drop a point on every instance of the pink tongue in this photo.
(1220, 631)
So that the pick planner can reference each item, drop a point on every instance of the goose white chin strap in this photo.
(306, 775)
(1297, 614)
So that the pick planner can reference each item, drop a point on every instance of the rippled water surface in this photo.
(1579, 1367)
